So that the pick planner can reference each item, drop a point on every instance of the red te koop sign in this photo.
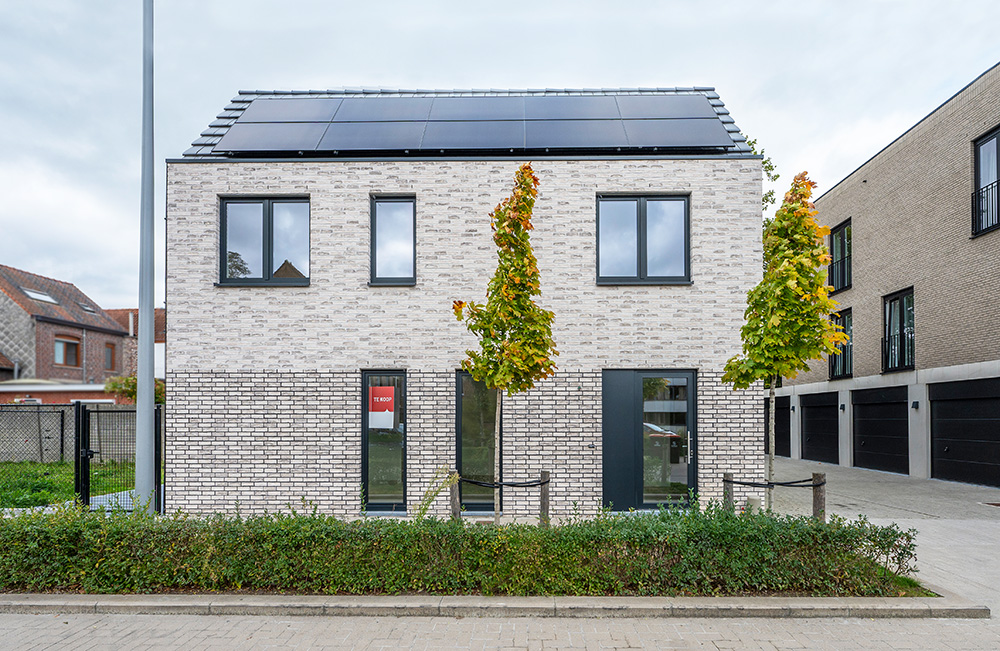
(381, 399)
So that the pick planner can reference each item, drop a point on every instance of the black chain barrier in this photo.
(798, 483)
(509, 484)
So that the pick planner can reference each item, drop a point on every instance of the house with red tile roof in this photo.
(128, 319)
(53, 332)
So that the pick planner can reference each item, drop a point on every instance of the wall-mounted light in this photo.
(843, 407)
(793, 407)
(915, 405)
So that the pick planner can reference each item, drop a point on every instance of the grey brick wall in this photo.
(291, 357)
(17, 336)
(910, 210)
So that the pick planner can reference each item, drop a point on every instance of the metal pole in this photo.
(144, 435)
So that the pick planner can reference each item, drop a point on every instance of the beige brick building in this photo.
(275, 366)
(916, 246)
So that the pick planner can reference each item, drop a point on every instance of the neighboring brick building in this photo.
(316, 241)
(50, 330)
(916, 269)
(128, 319)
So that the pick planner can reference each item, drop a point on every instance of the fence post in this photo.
(543, 499)
(456, 500)
(819, 496)
(727, 491)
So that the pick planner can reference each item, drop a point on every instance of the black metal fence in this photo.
(985, 209)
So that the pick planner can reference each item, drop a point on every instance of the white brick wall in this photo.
(245, 362)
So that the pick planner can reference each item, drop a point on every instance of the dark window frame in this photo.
(902, 362)
(472, 506)
(840, 277)
(641, 277)
(985, 200)
(70, 340)
(401, 281)
(366, 504)
(842, 365)
(267, 242)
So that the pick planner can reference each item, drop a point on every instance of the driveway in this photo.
(958, 532)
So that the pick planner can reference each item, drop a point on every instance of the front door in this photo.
(648, 437)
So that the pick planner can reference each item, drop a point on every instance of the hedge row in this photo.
(693, 552)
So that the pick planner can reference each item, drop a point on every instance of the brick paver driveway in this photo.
(957, 546)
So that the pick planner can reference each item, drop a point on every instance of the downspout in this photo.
(17, 368)
(83, 364)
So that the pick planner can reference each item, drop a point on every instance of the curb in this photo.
(948, 605)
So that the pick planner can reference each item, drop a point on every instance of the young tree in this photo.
(515, 334)
(124, 386)
(788, 312)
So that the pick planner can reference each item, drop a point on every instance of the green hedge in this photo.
(693, 552)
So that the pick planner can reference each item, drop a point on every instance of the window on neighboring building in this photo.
(67, 351)
(986, 207)
(394, 249)
(840, 253)
(383, 444)
(897, 341)
(842, 365)
(265, 242)
(642, 240)
(109, 357)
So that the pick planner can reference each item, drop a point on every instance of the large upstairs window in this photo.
(897, 341)
(264, 242)
(842, 365)
(840, 253)
(642, 240)
(985, 212)
(394, 244)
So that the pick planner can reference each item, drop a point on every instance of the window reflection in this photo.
(291, 240)
(664, 439)
(244, 240)
(394, 239)
(665, 238)
(385, 441)
(619, 237)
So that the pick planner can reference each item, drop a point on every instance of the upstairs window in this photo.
(265, 242)
(842, 365)
(394, 246)
(67, 352)
(985, 212)
(840, 253)
(897, 341)
(109, 357)
(642, 240)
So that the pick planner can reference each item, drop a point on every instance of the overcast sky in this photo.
(821, 85)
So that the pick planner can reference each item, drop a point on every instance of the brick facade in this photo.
(17, 336)
(90, 363)
(265, 399)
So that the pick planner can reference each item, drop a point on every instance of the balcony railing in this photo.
(842, 365)
(985, 212)
(897, 352)
(840, 273)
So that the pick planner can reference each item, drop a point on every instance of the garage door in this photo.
(819, 427)
(965, 431)
(881, 429)
(782, 426)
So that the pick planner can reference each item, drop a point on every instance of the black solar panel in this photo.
(279, 136)
(388, 109)
(361, 136)
(555, 107)
(677, 133)
(474, 135)
(665, 106)
(290, 110)
(478, 108)
(575, 134)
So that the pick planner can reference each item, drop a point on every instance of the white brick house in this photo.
(355, 219)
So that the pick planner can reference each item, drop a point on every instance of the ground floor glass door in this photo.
(383, 456)
(648, 436)
(475, 423)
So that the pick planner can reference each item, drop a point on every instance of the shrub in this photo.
(694, 552)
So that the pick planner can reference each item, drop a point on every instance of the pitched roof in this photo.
(5, 363)
(372, 123)
(53, 299)
(121, 316)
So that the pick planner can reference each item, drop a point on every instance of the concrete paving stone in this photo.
(382, 606)
(612, 606)
(267, 605)
(475, 606)
(153, 604)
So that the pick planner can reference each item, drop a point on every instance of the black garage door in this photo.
(819, 427)
(782, 425)
(965, 431)
(881, 429)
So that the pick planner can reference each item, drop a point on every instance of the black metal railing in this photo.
(840, 273)
(842, 365)
(897, 352)
(986, 209)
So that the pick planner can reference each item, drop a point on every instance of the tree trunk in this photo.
(496, 458)
(770, 444)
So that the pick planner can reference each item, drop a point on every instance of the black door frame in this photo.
(394, 507)
(478, 507)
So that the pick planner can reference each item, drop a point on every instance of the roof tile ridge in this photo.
(30, 273)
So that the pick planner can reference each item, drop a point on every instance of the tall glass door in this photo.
(383, 455)
(664, 438)
(475, 425)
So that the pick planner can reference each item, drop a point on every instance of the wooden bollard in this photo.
(456, 499)
(543, 500)
(727, 491)
(819, 496)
